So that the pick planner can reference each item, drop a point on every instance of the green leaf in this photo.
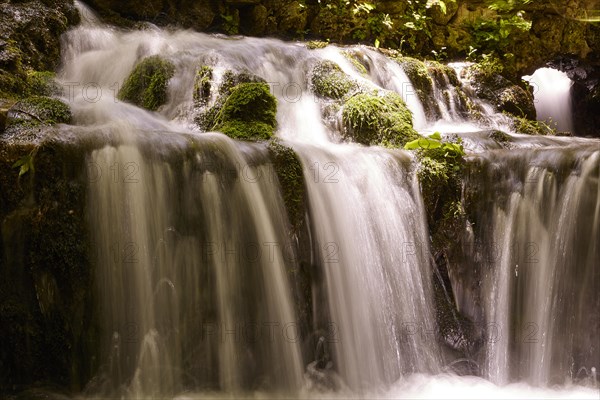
(442, 6)
(21, 161)
(436, 136)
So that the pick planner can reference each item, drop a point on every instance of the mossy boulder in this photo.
(147, 84)
(36, 111)
(232, 78)
(203, 85)
(488, 83)
(288, 168)
(248, 113)
(371, 119)
(329, 81)
(418, 74)
(204, 91)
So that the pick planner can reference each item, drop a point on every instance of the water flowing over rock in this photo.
(145, 253)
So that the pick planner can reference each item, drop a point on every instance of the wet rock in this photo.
(37, 110)
(503, 94)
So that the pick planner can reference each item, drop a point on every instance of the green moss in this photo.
(146, 86)
(316, 44)
(288, 168)
(246, 130)
(328, 80)
(419, 77)
(438, 71)
(248, 112)
(353, 57)
(371, 119)
(440, 178)
(202, 85)
(529, 127)
(250, 102)
(231, 79)
(38, 110)
(500, 137)
(42, 83)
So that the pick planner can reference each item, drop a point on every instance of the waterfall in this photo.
(552, 92)
(534, 249)
(375, 258)
(184, 242)
(196, 269)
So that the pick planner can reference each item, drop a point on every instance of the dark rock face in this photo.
(46, 318)
(30, 37)
(585, 94)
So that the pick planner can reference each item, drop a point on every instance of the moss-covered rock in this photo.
(248, 113)
(357, 60)
(372, 119)
(146, 86)
(329, 81)
(202, 85)
(440, 179)
(288, 169)
(232, 78)
(37, 110)
(530, 127)
(504, 95)
(316, 44)
(419, 76)
(42, 83)
(440, 72)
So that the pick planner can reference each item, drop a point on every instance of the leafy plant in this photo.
(450, 150)
(497, 36)
(26, 163)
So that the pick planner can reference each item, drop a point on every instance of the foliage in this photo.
(496, 36)
(362, 19)
(530, 127)
(146, 86)
(449, 150)
(26, 163)
(507, 5)
(328, 80)
(372, 119)
(231, 22)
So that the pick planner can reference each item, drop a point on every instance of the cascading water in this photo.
(552, 92)
(536, 256)
(194, 258)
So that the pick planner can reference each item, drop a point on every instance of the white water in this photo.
(552, 93)
(170, 315)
